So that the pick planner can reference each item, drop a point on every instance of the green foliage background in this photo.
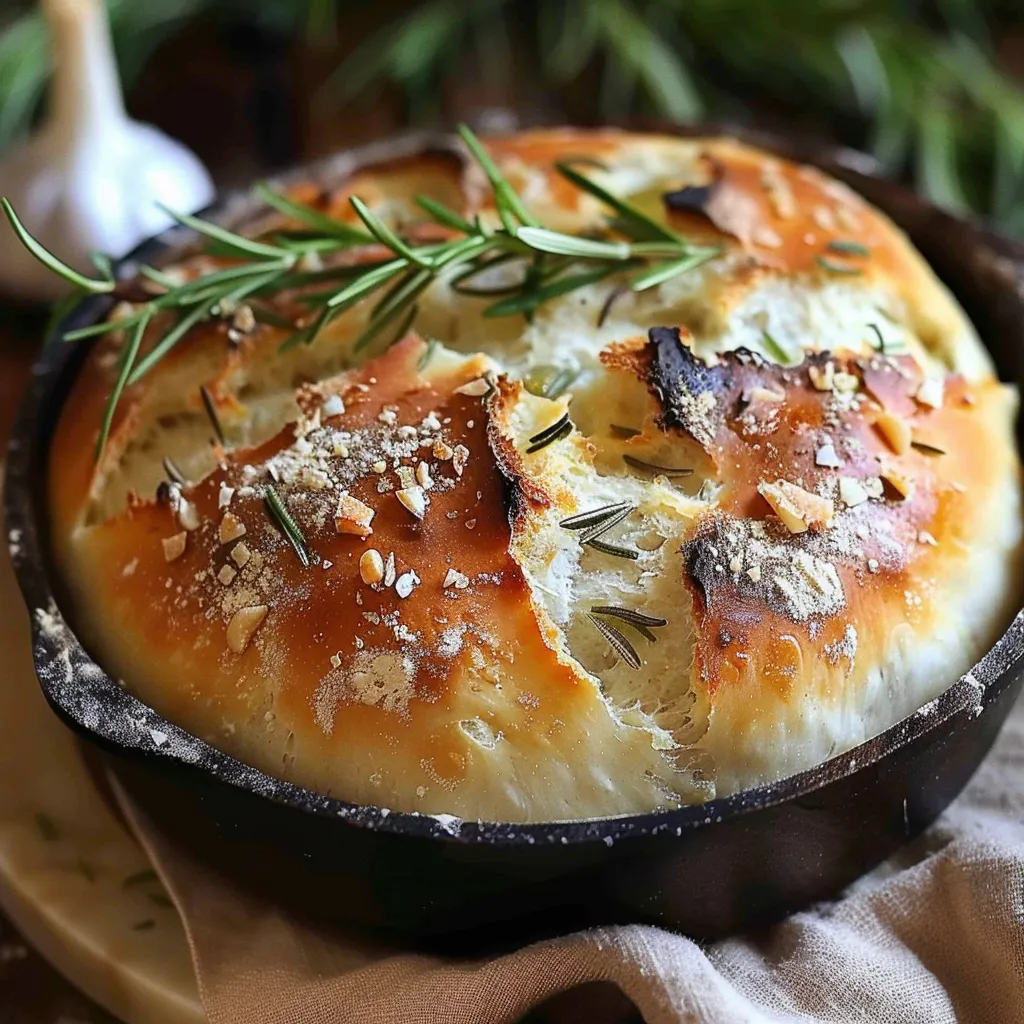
(916, 83)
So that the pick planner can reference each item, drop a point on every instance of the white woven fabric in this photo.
(934, 935)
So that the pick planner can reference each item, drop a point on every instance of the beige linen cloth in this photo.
(936, 934)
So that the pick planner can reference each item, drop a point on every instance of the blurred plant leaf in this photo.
(916, 83)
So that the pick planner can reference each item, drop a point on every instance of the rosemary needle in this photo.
(634, 618)
(174, 474)
(613, 549)
(285, 523)
(619, 643)
(211, 413)
(652, 467)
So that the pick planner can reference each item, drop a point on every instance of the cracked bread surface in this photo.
(821, 529)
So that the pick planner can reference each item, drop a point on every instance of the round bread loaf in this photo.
(775, 510)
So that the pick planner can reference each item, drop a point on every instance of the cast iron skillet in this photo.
(706, 870)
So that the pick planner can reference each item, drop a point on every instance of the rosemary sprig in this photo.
(285, 523)
(128, 358)
(554, 263)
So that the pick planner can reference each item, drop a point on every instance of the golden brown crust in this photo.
(816, 568)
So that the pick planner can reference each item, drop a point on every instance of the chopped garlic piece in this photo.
(896, 430)
(226, 575)
(456, 579)
(406, 583)
(901, 482)
(243, 625)
(240, 554)
(231, 528)
(423, 477)
(764, 395)
(475, 388)
(931, 393)
(225, 496)
(873, 486)
(414, 499)
(798, 509)
(441, 450)
(851, 492)
(174, 547)
(371, 566)
(754, 572)
(822, 376)
(332, 406)
(188, 517)
(826, 456)
(845, 382)
(352, 516)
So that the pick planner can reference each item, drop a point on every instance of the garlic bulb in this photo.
(91, 178)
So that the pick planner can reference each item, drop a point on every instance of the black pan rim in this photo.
(53, 638)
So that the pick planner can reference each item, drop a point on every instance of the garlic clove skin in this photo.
(91, 178)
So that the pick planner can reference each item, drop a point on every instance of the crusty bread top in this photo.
(829, 530)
